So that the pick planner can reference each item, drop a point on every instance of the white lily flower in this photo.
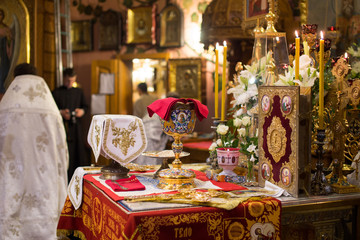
(251, 148)
(213, 146)
(252, 158)
(241, 132)
(218, 142)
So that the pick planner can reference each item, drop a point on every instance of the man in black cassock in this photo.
(72, 105)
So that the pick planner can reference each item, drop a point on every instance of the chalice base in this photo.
(114, 171)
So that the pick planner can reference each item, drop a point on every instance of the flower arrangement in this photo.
(239, 131)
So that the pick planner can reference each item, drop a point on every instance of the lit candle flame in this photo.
(321, 35)
(224, 43)
(296, 34)
(217, 45)
(346, 55)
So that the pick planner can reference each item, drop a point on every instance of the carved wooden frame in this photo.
(187, 77)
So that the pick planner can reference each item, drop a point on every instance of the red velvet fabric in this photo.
(101, 218)
(286, 124)
(162, 107)
(128, 184)
(225, 186)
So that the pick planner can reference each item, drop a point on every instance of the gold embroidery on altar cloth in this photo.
(256, 209)
(276, 139)
(151, 225)
(236, 231)
(125, 138)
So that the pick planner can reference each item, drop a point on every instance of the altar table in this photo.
(99, 217)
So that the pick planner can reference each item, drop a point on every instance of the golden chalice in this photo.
(181, 122)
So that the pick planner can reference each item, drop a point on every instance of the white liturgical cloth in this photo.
(120, 137)
(33, 161)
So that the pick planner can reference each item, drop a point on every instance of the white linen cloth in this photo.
(33, 161)
(75, 189)
(278, 191)
(119, 137)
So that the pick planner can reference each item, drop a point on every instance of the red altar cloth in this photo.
(101, 218)
(204, 145)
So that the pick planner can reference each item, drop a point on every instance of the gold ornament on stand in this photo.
(346, 93)
(273, 43)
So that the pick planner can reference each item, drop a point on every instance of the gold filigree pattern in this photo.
(236, 231)
(125, 138)
(97, 136)
(341, 69)
(109, 123)
(276, 139)
(256, 209)
(354, 93)
(151, 225)
(77, 186)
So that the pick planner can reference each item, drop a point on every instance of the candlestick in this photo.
(321, 82)
(217, 80)
(297, 55)
(306, 48)
(223, 84)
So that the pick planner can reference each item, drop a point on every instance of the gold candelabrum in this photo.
(339, 124)
(181, 122)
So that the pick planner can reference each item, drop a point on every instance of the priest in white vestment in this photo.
(33, 159)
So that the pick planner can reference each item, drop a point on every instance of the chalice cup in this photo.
(181, 122)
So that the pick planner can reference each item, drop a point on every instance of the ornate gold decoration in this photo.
(256, 209)
(276, 132)
(97, 216)
(276, 139)
(354, 93)
(125, 138)
(341, 69)
(151, 224)
(77, 186)
(236, 231)
(109, 123)
(270, 18)
(97, 136)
